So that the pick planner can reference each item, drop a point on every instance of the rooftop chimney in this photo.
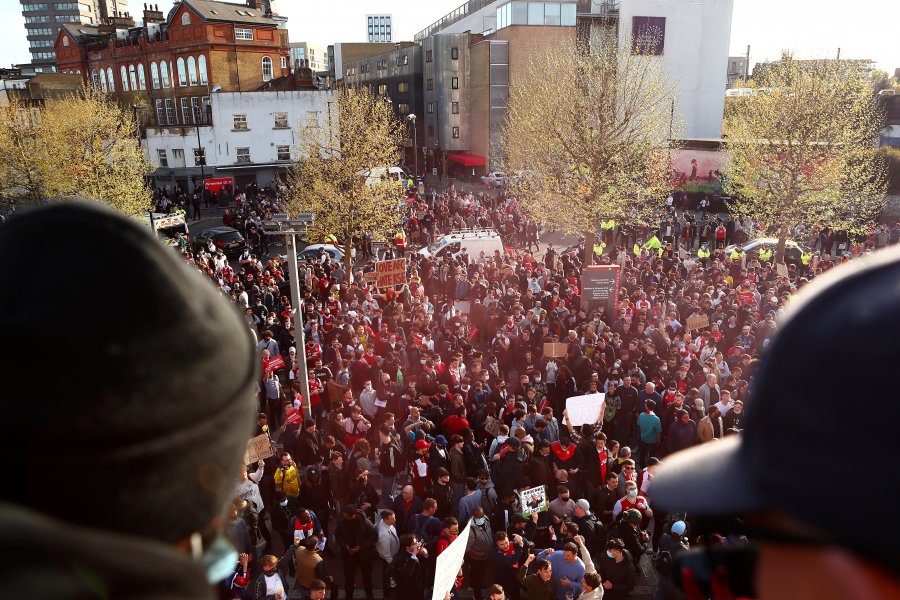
(152, 14)
(257, 4)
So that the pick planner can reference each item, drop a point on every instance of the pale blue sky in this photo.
(862, 29)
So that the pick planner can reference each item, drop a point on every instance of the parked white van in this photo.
(394, 174)
(471, 241)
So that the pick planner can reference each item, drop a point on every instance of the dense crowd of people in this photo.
(426, 416)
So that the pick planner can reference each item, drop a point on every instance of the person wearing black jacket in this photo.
(316, 496)
(355, 536)
(309, 444)
(616, 571)
(407, 572)
(363, 494)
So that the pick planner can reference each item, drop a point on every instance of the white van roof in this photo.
(473, 233)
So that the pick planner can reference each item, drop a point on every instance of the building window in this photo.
(382, 89)
(178, 154)
(192, 70)
(281, 120)
(170, 111)
(195, 108)
(454, 83)
(164, 74)
(454, 108)
(431, 131)
(243, 33)
(185, 111)
(429, 85)
(284, 62)
(123, 75)
(402, 60)
(103, 80)
(160, 113)
(455, 132)
(648, 35)
(284, 152)
(204, 105)
(240, 123)
(429, 108)
(199, 157)
(162, 158)
(454, 53)
(182, 72)
(267, 68)
(132, 77)
(110, 79)
(186, 18)
(243, 155)
(142, 77)
(95, 80)
(403, 87)
(429, 56)
(201, 63)
(312, 118)
(403, 108)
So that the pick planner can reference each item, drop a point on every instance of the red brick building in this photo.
(175, 62)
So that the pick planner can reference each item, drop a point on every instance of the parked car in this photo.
(792, 250)
(227, 239)
(494, 179)
(313, 252)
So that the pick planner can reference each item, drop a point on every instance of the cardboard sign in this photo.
(389, 273)
(585, 409)
(782, 270)
(448, 564)
(492, 426)
(600, 287)
(555, 350)
(534, 500)
(275, 363)
(462, 306)
(369, 276)
(336, 393)
(292, 418)
(697, 322)
(259, 448)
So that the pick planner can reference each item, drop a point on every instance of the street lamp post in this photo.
(412, 118)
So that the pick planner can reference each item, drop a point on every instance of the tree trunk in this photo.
(589, 239)
(779, 250)
(348, 260)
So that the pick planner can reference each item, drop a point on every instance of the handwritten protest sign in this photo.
(533, 500)
(389, 273)
(697, 322)
(555, 350)
(585, 409)
(492, 426)
(259, 448)
(448, 564)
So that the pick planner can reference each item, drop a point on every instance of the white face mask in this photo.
(632, 493)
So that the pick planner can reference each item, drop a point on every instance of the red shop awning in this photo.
(466, 160)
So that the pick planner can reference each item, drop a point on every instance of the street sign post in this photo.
(290, 228)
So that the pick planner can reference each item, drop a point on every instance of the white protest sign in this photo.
(449, 563)
(534, 500)
(585, 409)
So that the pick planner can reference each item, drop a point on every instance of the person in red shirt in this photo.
(448, 535)
(456, 422)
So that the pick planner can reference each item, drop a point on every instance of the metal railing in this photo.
(449, 19)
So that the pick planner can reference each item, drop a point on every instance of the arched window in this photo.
(132, 77)
(164, 73)
(204, 78)
(111, 79)
(267, 68)
(100, 79)
(124, 78)
(192, 70)
(95, 80)
(66, 40)
(142, 77)
(186, 18)
(154, 75)
(182, 74)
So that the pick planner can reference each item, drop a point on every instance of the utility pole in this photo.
(747, 65)
(839, 54)
(290, 228)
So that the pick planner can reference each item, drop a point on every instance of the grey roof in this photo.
(79, 31)
(210, 10)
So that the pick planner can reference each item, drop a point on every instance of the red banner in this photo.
(293, 417)
(275, 363)
(215, 185)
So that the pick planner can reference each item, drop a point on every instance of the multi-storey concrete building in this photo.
(737, 69)
(379, 28)
(43, 20)
(313, 56)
